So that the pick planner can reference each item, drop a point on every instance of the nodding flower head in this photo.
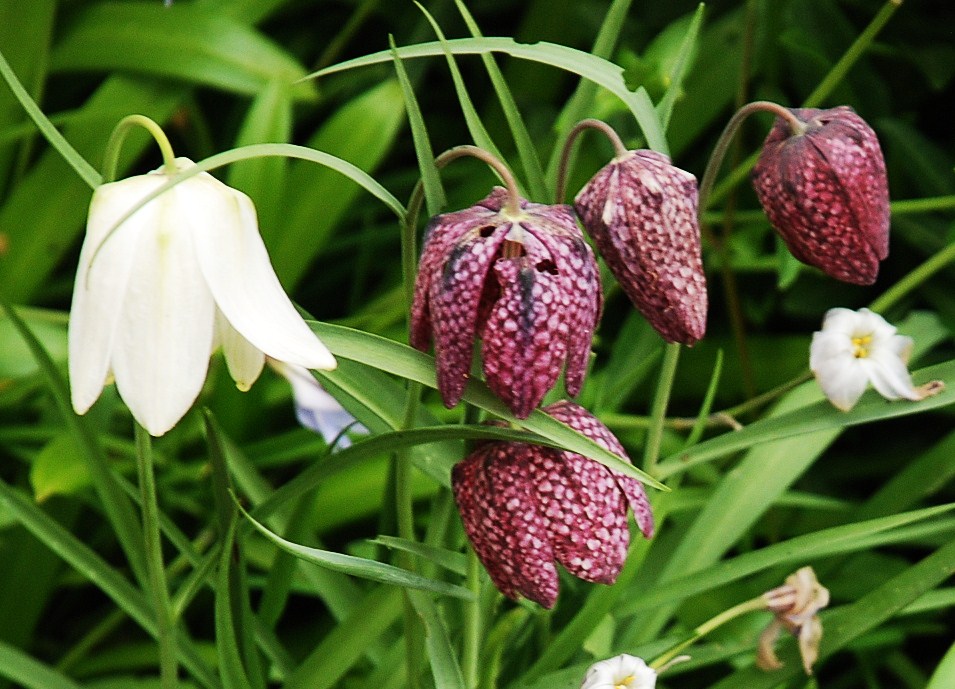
(825, 191)
(526, 506)
(642, 213)
(525, 282)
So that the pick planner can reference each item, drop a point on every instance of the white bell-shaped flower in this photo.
(186, 274)
(620, 672)
(855, 348)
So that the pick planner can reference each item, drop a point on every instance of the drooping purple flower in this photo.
(642, 213)
(825, 191)
(525, 507)
(527, 284)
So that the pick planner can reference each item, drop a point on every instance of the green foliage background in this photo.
(864, 497)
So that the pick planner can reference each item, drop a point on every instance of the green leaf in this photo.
(681, 66)
(361, 567)
(444, 663)
(944, 675)
(179, 42)
(591, 67)
(448, 559)
(59, 468)
(401, 360)
(26, 671)
(813, 417)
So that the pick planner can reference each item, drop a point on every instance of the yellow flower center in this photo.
(624, 683)
(860, 346)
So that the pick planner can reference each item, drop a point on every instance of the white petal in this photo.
(237, 269)
(622, 670)
(829, 345)
(164, 340)
(874, 324)
(840, 320)
(100, 288)
(842, 380)
(244, 360)
(889, 376)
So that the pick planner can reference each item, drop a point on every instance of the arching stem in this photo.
(513, 205)
(563, 167)
(115, 145)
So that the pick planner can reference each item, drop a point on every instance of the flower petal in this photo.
(244, 360)
(100, 286)
(842, 381)
(501, 516)
(622, 671)
(525, 338)
(315, 409)
(164, 337)
(888, 373)
(236, 266)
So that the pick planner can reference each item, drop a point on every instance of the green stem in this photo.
(826, 86)
(473, 624)
(116, 139)
(155, 570)
(651, 451)
(563, 167)
(513, 207)
(752, 605)
(919, 275)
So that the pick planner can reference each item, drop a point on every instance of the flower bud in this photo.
(642, 213)
(826, 193)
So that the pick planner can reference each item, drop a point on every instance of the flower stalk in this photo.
(118, 137)
(563, 169)
(155, 569)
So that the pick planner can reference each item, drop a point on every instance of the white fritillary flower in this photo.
(620, 672)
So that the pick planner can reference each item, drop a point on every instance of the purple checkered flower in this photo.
(642, 213)
(525, 507)
(525, 282)
(826, 193)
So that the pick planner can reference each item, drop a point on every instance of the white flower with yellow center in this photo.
(185, 274)
(620, 672)
(855, 348)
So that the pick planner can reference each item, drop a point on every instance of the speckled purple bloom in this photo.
(826, 193)
(525, 507)
(526, 284)
(642, 213)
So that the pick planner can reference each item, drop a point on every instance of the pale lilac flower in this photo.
(525, 283)
(525, 506)
(620, 672)
(315, 409)
(855, 348)
(186, 274)
(826, 192)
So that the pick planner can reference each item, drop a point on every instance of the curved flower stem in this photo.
(168, 670)
(116, 139)
(723, 143)
(920, 274)
(651, 451)
(563, 166)
(513, 206)
(758, 603)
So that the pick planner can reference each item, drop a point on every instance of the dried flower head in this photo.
(525, 282)
(642, 213)
(525, 507)
(795, 605)
(825, 191)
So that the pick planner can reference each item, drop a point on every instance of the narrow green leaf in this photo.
(448, 559)
(530, 161)
(433, 189)
(473, 121)
(179, 42)
(401, 360)
(806, 548)
(591, 67)
(59, 468)
(82, 168)
(361, 567)
(813, 417)
(26, 671)
(231, 670)
(444, 663)
(944, 675)
(680, 68)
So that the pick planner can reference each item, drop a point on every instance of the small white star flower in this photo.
(620, 672)
(315, 409)
(855, 348)
(186, 274)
